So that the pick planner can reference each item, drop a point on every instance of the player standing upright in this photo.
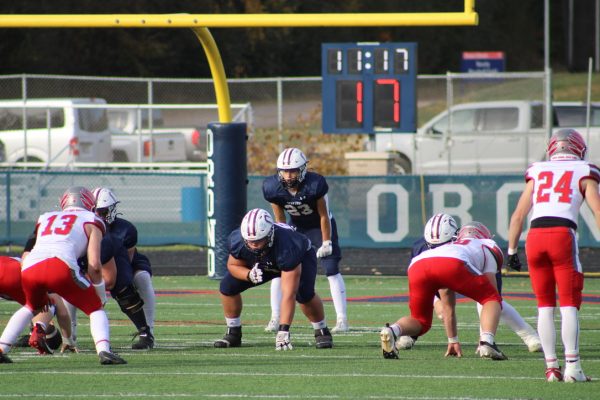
(554, 193)
(51, 266)
(303, 195)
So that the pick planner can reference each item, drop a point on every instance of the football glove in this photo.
(256, 274)
(282, 341)
(325, 249)
(513, 262)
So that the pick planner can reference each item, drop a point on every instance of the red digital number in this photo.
(65, 225)
(562, 187)
(359, 102)
(396, 95)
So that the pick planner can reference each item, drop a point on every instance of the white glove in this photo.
(255, 275)
(282, 341)
(325, 249)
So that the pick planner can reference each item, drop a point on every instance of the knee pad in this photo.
(129, 300)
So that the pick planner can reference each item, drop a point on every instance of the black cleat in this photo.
(145, 342)
(4, 358)
(108, 358)
(22, 341)
(323, 339)
(233, 338)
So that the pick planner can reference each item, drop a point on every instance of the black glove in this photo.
(514, 262)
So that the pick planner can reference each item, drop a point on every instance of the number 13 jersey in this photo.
(557, 188)
(61, 234)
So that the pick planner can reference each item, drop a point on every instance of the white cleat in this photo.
(489, 350)
(575, 375)
(388, 342)
(405, 343)
(533, 343)
(273, 325)
(340, 326)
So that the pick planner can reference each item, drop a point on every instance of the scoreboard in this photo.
(369, 87)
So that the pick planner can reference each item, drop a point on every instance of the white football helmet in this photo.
(257, 225)
(77, 197)
(440, 228)
(106, 204)
(474, 230)
(290, 159)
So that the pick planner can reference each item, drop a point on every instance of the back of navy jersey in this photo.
(301, 207)
(288, 250)
(124, 231)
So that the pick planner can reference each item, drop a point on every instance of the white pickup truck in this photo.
(135, 140)
(485, 137)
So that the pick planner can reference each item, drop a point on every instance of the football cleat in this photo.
(108, 358)
(22, 341)
(533, 343)
(145, 342)
(37, 340)
(4, 358)
(323, 338)
(575, 375)
(554, 375)
(489, 350)
(273, 325)
(340, 326)
(405, 343)
(388, 342)
(232, 338)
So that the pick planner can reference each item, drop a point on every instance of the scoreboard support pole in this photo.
(226, 186)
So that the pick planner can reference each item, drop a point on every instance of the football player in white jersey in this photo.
(467, 266)
(61, 238)
(554, 192)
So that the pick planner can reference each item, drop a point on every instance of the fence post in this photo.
(226, 190)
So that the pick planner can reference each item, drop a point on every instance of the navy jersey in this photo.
(301, 207)
(125, 231)
(288, 250)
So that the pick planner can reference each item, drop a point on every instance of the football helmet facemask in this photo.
(566, 143)
(440, 228)
(257, 231)
(474, 230)
(77, 197)
(106, 204)
(291, 159)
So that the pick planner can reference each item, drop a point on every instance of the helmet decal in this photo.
(566, 144)
(77, 197)
(474, 230)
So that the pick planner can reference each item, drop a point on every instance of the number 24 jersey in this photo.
(557, 191)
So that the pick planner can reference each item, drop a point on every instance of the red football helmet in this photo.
(567, 141)
(78, 196)
(474, 230)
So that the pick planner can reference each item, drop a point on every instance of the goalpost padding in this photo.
(226, 190)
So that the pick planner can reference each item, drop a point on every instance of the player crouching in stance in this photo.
(466, 266)
(51, 266)
(258, 252)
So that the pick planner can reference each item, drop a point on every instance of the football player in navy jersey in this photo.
(259, 251)
(133, 288)
(303, 196)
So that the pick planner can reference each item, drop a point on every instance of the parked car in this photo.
(136, 121)
(135, 140)
(485, 137)
(54, 131)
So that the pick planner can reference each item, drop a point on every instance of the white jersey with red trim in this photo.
(62, 234)
(480, 255)
(557, 188)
